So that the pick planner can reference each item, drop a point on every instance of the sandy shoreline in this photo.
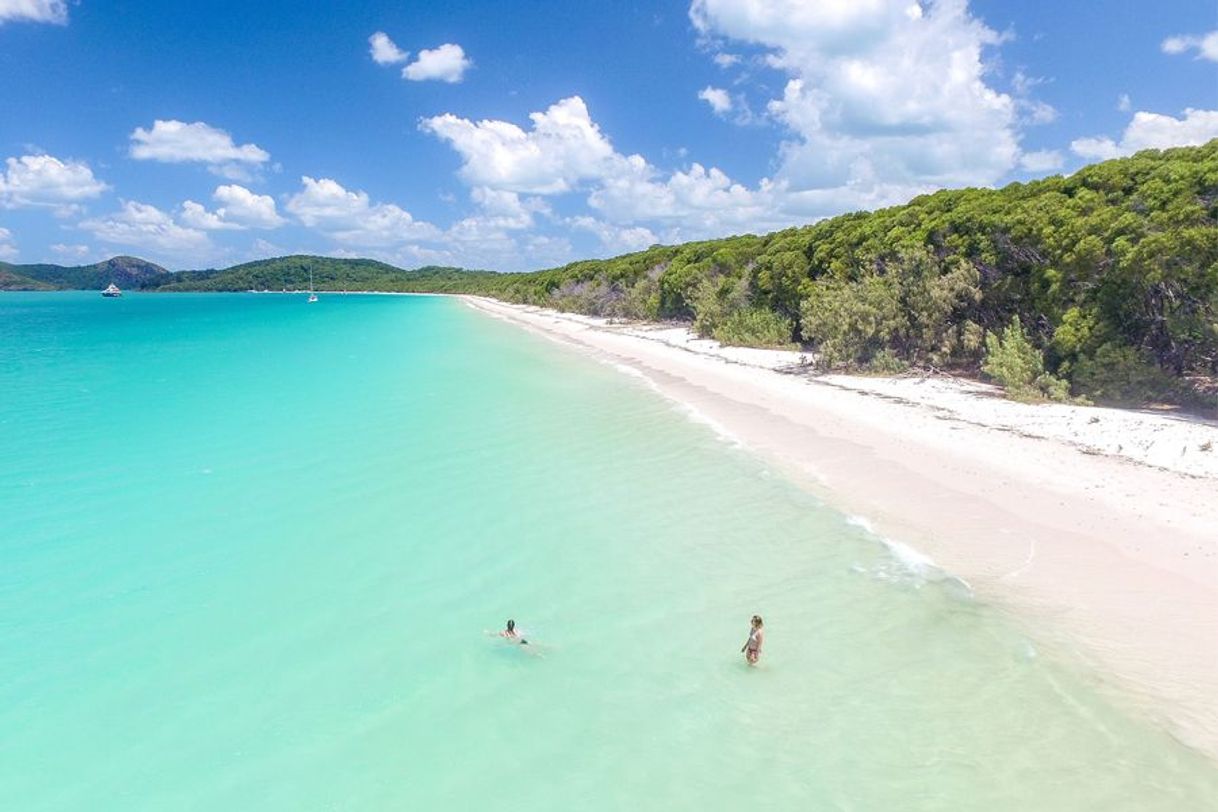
(1097, 528)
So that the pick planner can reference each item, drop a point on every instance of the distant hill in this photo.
(15, 281)
(280, 273)
(126, 272)
(329, 273)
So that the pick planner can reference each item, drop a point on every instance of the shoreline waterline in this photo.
(1103, 561)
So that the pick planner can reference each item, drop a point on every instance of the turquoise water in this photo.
(249, 548)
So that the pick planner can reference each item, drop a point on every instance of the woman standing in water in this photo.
(752, 647)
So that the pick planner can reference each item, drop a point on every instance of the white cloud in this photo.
(616, 239)
(564, 148)
(726, 60)
(34, 11)
(384, 51)
(44, 180)
(506, 209)
(881, 95)
(1098, 149)
(7, 249)
(717, 98)
(240, 205)
(239, 209)
(1045, 160)
(486, 237)
(196, 215)
(147, 227)
(566, 151)
(693, 195)
(1037, 112)
(172, 141)
(446, 63)
(1206, 45)
(1152, 131)
(1124, 104)
(73, 252)
(350, 217)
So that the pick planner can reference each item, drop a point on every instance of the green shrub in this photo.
(756, 327)
(642, 301)
(1122, 376)
(716, 299)
(1017, 365)
(850, 321)
(886, 362)
(911, 305)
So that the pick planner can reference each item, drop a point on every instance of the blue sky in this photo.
(518, 135)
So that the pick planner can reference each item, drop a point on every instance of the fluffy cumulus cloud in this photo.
(1206, 45)
(8, 250)
(34, 11)
(1045, 160)
(44, 180)
(884, 98)
(1152, 131)
(71, 251)
(566, 151)
(616, 239)
(172, 141)
(487, 236)
(384, 51)
(563, 148)
(717, 98)
(447, 63)
(352, 218)
(147, 227)
(239, 208)
(689, 203)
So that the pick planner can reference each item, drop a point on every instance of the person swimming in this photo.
(510, 633)
(752, 647)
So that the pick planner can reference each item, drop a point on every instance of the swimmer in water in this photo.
(510, 633)
(752, 647)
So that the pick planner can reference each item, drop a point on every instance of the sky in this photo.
(522, 134)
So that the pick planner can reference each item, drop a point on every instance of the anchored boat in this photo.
(112, 291)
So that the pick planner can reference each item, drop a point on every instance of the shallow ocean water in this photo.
(251, 550)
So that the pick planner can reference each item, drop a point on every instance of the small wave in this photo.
(908, 565)
(686, 409)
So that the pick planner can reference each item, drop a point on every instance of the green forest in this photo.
(1101, 286)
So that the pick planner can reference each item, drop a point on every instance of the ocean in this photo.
(254, 551)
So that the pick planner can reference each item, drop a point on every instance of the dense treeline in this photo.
(329, 273)
(1103, 283)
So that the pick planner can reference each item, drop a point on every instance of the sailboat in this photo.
(312, 295)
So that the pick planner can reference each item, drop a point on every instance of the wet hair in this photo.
(757, 620)
(511, 625)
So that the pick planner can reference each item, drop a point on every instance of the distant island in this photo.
(1102, 285)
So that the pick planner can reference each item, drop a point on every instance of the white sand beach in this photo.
(1097, 529)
